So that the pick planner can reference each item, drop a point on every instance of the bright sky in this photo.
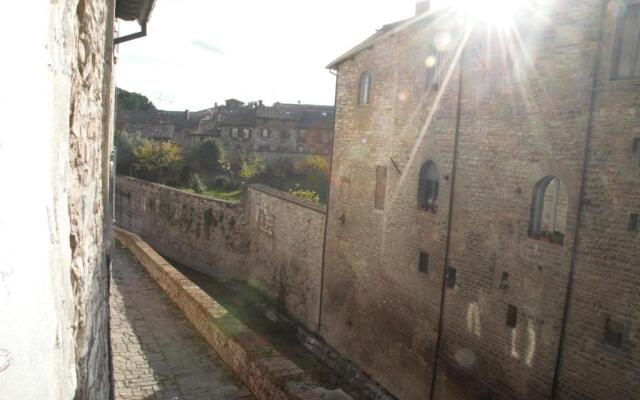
(198, 52)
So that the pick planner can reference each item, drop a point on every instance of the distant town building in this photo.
(289, 130)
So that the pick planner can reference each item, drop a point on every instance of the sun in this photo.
(499, 13)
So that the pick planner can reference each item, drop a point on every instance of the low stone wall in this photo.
(268, 374)
(286, 251)
(206, 234)
(271, 239)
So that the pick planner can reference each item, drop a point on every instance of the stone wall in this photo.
(200, 232)
(493, 136)
(55, 234)
(271, 239)
(287, 234)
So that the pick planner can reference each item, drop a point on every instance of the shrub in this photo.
(221, 182)
(125, 144)
(195, 183)
(305, 194)
(252, 169)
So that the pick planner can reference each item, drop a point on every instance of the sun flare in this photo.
(499, 13)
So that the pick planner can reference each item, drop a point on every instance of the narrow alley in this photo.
(157, 354)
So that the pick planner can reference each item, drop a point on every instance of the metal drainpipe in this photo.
(449, 223)
(133, 36)
(326, 216)
(583, 184)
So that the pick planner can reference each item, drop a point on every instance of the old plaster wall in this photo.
(53, 263)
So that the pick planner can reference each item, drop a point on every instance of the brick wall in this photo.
(508, 131)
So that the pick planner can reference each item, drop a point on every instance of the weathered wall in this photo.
(205, 234)
(271, 239)
(53, 263)
(513, 131)
(286, 251)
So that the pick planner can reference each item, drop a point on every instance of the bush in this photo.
(221, 182)
(305, 194)
(196, 184)
(252, 169)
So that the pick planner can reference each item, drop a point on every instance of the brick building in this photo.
(483, 239)
(280, 130)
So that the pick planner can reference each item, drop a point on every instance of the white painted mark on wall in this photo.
(266, 219)
(473, 319)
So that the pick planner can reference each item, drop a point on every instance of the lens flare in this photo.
(499, 13)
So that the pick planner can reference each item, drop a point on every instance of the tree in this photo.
(125, 143)
(158, 161)
(205, 157)
(132, 101)
(252, 169)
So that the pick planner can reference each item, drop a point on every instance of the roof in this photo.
(131, 10)
(384, 32)
(241, 116)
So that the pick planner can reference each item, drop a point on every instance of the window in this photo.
(636, 150)
(548, 220)
(423, 265)
(381, 186)
(428, 187)
(634, 223)
(626, 63)
(432, 62)
(265, 133)
(364, 90)
(613, 333)
(234, 132)
(512, 316)
(246, 133)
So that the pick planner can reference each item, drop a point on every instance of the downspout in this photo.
(583, 184)
(326, 216)
(449, 223)
(133, 36)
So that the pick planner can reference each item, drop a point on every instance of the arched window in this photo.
(432, 63)
(364, 90)
(428, 187)
(548, 220)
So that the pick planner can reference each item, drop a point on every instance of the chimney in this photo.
(187, 115)
(422, 6)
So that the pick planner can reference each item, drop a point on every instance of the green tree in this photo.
(158, 161)
(252, 169)
(315, 171)
(205, 157)
(132, 101)
(125, 143)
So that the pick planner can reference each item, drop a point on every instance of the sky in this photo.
(199, 52)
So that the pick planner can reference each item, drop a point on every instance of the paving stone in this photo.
(157, 354)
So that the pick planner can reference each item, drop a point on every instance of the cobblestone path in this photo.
(157, 354)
